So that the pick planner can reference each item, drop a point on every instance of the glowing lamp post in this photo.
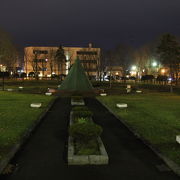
(133, 68)
(134, 71)
(163, 71)
(154, 64)
(155, 67)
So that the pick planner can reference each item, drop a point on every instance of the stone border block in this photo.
(77, 103)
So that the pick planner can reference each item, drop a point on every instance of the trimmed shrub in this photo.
(79, 114)
(84, 132)
(87, 148)
(82, 120)
(80, 108)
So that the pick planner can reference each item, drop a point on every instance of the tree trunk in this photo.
(176, 78)
(171, 88)
(110, 82)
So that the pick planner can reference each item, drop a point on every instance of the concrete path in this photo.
(43, 157)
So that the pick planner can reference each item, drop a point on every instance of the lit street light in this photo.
(133, 68)
(163, 71)
(154, 64)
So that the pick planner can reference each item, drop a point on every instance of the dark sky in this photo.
(105, 23)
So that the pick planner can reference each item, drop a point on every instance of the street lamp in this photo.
(155, 68)
(134, 71)
(133, 68)
(163, 71)
(154, 64)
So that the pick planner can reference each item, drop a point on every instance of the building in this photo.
(42, 60)
(114, 71)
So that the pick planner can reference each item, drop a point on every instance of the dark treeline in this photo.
(158, 58)
(8, 52)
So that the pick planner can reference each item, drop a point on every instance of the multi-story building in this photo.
(43, 61)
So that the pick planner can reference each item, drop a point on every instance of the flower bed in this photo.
(84, 144)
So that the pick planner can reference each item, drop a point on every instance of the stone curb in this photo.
(77, 103)
(4, 162)
(171, 164)
(101, 159)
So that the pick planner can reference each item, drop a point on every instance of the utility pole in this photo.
(36, 66)
(3, 69)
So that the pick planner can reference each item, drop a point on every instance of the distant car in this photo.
(132, 78)
(31, 74)
(147, 77)
(161, 78)
(124, 78)
(117, 77)
(112, 78)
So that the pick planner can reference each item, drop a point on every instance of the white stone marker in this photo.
(128, 88)
(103, 94)
(9, 90)
(138, 91)
(122, 105)
(48, 93)
(36, 105)
(178, 138)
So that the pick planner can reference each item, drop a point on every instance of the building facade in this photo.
(43, 61)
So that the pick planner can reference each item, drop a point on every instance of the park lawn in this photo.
(31, 86)
(16, 116)
(154, 116)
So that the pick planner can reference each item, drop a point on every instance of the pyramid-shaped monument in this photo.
(76, 80)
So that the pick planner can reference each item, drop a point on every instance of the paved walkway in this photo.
(44, 155)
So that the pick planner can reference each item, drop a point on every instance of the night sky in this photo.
(105, 23)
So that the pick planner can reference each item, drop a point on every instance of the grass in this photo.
(155, 116)
(30, 86)
(16, 116)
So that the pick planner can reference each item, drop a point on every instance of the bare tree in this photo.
(122, 56)
(142, 59)
(51, 59)
(69, 57)
(8, 52)
(60, 60)
(27, 57)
